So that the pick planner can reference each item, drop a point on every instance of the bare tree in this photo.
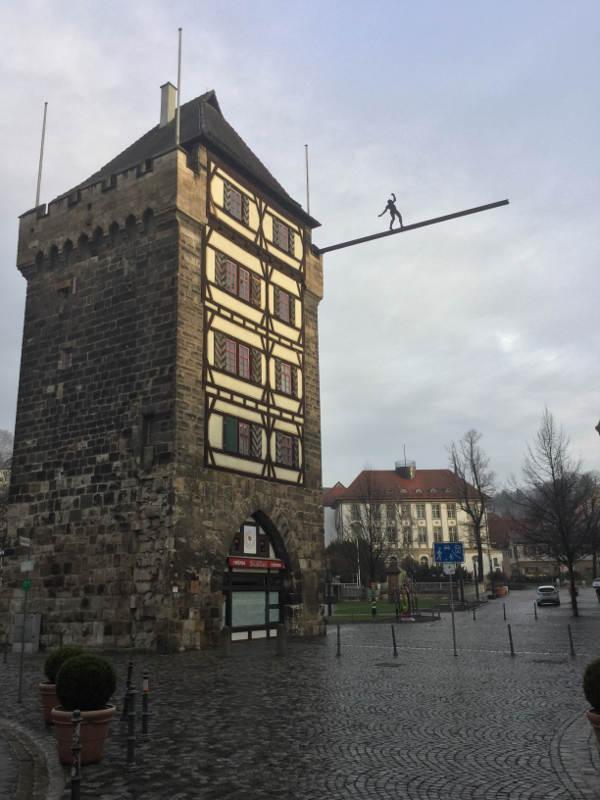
(590, 517)
(473, 483)
(558, 500)
(367, 526)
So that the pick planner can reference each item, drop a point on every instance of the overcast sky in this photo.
(480, 322)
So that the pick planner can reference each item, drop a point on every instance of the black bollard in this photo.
(281, 647)
(145, 701)
(226, 640)
(76, 762)
(474, 617)
(535, 609)
(127, 688)
(571, 641)
(510, 639)
(339, 652)
(131, 766)
(394, 641)
(504, 610)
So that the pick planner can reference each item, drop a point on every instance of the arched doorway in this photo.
(256, 582)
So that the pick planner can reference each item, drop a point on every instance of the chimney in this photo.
(167, 103)
(406, 469)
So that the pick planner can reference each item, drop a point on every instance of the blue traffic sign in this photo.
(448, 552)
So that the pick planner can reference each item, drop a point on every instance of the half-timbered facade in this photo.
(167, 459)
(254, 330)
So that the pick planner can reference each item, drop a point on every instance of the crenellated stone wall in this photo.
(109, 479)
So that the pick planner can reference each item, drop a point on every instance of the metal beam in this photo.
(412, 227)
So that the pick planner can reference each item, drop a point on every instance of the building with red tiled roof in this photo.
(408, 510)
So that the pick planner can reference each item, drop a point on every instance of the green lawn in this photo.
(357, 610)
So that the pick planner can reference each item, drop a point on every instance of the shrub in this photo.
(57, 658)
(591, 684)
(85, 682)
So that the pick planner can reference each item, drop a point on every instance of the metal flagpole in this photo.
(177, 122)
(39, 180)
(307, 190)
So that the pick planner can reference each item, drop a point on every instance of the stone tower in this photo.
(167, 459)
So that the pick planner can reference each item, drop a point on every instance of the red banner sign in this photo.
(255, 563)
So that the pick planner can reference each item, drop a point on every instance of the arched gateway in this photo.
(257, 582)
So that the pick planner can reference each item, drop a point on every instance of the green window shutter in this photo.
(245, 210)
(256, 440)
(295, 452)
(295, 381)
(278, 456)
(220, 357)
(292, 310)
(230, 434)
(220, 274)
(255, 365)
(292, 243)
(255, 291)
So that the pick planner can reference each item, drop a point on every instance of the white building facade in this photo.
(408, 510)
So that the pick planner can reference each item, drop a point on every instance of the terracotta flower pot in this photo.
(594, 718)
(93, 731)
(49, 700)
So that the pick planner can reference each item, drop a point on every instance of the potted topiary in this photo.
(591, 689)
(52, 664)
(85, 682)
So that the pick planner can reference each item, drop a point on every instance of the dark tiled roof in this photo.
(201, 121)
(332, 494)
(387, 485)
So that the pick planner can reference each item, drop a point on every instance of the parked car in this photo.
(547, 594)
(596, 583)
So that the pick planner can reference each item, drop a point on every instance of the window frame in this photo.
(243, 437)
(283, 236)
(235, 202)
(283, 306)
(238, 354)
(287, 443)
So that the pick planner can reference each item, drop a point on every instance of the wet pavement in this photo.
(423, 725)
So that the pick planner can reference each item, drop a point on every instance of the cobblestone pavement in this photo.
(424, 725)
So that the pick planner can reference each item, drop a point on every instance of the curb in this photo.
(40, 775)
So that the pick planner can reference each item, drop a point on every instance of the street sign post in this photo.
(448, 552)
